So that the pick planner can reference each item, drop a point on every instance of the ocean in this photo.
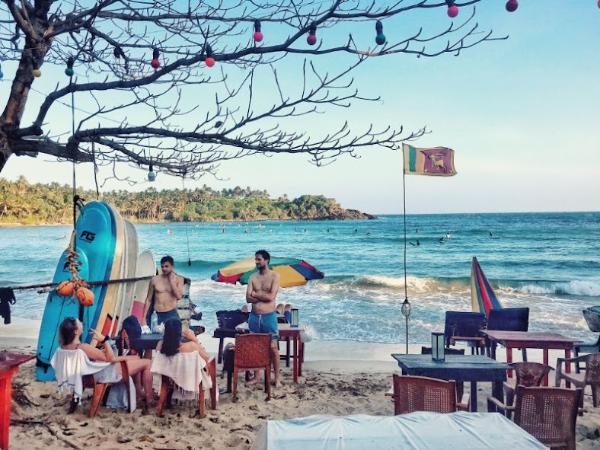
(549, 262)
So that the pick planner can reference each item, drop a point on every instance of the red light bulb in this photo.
(312, 35)
(257, 36)
(155, 63)
(452, 11)
(210, 61)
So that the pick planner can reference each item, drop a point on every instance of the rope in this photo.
(95, 170)
(89, 283)
(187, 237)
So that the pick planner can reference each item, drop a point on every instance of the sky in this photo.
(521, 115)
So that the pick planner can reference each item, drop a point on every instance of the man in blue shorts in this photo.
(261, 294)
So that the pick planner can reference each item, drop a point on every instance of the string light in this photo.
(151, 174)
(36, 72)
(380, 38)
(312, 35)
(210, 60)
(155, 63)
(69, 70)
(512, 5)
(452, 9)
(258, 35)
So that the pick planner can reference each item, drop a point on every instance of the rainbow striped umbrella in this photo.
(292, 272)
(483, 298)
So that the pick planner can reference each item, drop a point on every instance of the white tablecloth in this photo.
(419, 431)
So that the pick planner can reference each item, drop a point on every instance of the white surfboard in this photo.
(146, 266)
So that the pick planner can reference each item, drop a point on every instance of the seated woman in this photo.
(171, 343)
(70, 332)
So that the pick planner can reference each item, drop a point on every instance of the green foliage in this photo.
(22, 202)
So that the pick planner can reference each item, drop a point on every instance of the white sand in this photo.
(341, 378)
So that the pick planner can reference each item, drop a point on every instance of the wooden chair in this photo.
(101, 390)
(548, 414)
(465, 327)
(252, 352)
(167, 387)
(412, 394)
(528, 374)
(589, 377)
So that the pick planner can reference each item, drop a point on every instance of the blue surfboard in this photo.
(95, 237)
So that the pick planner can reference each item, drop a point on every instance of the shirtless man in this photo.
(261, 293)
(164, 291)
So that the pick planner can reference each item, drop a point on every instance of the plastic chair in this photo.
(252, 352)
(548, 414)
(227, 321)
(466, 327)
(527, 374)
(589, 377)
(412, 394)
(508, 319)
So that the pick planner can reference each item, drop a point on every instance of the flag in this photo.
(436, 161)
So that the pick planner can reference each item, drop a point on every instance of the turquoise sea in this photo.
(549, 262)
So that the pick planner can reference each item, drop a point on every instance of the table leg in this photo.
(497, 392)
(295, 360)
(301, 357)
(473, 407)
(545, 359)
(494, 345)
(509, 359)
(5, 405)
(567, 366)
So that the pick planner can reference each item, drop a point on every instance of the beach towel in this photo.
(70, 366)
(186, 370)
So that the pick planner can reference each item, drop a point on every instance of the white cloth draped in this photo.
(186, 370)
(70, 366)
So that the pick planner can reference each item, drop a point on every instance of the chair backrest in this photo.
(508, 319)
(592, 368)
(231, 319)
(467, 324)
(548, 414)
(423, 394)
(447, 351)
(530, 374)
(252, 350)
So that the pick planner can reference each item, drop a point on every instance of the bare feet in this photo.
(253, 381)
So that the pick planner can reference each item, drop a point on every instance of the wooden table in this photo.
(460, 368)
(286, 331)
(9, 366)
(531, 339)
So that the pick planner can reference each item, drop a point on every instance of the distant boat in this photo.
(483, 297)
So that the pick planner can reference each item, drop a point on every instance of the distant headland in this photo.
(26, 203)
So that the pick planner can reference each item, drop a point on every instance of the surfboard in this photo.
(125, 295)
(103, 317)
(94, 238)
(146, 266)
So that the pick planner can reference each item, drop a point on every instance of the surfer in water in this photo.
(164, 291)
(261, 294)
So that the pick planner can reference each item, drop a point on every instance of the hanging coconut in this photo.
(66, 288)
(85, 296)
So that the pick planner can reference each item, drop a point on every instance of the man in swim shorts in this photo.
(261, 293)
(164, 291)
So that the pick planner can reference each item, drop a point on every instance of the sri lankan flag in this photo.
(436, 161)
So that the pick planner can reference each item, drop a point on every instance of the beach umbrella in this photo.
(292, 272)
(483, 297)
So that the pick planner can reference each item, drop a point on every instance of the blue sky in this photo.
(521, 114)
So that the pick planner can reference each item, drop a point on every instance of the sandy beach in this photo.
(340, 378)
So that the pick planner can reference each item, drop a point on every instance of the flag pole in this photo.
(406, 304)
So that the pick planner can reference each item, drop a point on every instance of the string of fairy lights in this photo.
(258, 36)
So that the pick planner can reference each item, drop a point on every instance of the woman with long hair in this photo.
(171, 343)
(70, 332)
